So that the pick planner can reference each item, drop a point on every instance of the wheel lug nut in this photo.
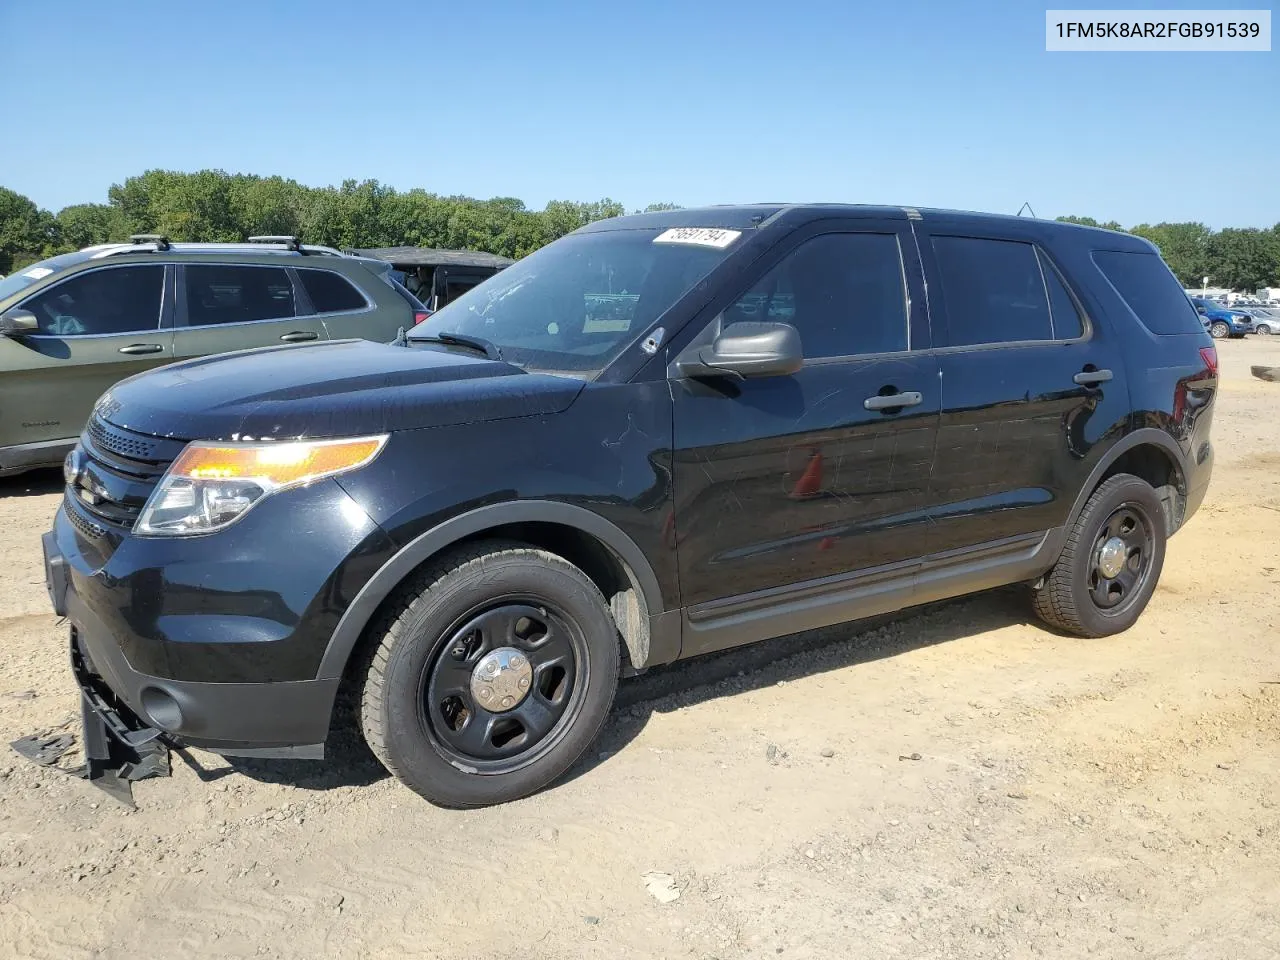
(524, 683)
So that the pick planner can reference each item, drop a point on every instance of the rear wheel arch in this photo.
(607, 555)
(1153, 456)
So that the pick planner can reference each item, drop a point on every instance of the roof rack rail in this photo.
(160, 240)
(291, 243)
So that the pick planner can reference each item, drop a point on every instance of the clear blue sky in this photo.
(697, 101)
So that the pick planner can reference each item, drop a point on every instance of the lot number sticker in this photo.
(699, 236)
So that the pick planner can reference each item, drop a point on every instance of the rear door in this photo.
(97, 327)
(237, 306)
(1031, 386)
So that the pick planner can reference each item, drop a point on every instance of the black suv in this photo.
(660, 436)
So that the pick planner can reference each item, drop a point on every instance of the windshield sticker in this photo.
(38, 273)
(699, 236)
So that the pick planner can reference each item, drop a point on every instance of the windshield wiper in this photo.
(487, 347)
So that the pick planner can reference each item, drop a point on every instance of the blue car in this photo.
(1223, 323)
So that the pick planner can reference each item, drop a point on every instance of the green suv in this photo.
(74, 325)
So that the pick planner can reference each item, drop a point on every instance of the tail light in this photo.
(1210, 357)
(420, 315)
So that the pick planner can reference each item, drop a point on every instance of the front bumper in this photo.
(215, 642)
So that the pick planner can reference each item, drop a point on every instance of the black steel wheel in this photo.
(1110, 564)
(495, 669)
(503, 684)
(1121, 558)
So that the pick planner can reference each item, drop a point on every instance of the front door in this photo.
(1029, 388)
(790, 484)
(237, 306)
(97, 327)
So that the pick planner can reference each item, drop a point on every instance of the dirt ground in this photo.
(956, 783)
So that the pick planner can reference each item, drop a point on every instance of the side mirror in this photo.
(747, 349)
(1201, 310)
(18, 323)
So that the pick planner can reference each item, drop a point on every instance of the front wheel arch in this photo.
(605, 553)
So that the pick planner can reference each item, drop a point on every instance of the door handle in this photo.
(893, 401)
(142, 348)
(298, 336)
(1088, 378)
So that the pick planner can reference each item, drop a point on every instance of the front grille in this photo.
(115, 440)
(86, 526)
(115, 472)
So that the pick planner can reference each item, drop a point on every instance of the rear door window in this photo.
(1064, 314)
(331, 292)
(994, 291)
(96, 302)
(1150, 290)
(235, 293)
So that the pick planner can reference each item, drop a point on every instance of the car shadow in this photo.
(33, 483)
(349, 762)
(797, 656)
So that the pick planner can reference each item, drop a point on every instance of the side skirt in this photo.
(812, 604)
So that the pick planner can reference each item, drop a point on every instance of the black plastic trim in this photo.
(814, 604)
(664, 635)
(32, 456)
(1144, 436)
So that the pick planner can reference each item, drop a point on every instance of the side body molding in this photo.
(664, 626)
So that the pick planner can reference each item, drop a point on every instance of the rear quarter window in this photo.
(331, 292)
(1150, 290)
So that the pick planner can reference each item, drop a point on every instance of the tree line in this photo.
(1241, 258)
(212, 205)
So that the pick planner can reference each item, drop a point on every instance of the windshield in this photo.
(575, 305)
(36, 271)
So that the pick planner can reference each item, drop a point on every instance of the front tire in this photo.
(495, 670)
(1219, 330)
(1263, 330)
(1111, 563)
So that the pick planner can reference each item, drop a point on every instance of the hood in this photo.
(338, 389)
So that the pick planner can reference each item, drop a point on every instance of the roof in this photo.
(765, 215)
(431, 257)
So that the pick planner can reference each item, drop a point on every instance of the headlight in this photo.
(212, 485)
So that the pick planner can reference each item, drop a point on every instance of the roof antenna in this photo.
(1026, 206)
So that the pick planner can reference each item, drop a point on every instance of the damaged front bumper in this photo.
(118, 747)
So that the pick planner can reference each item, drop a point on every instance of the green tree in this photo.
(86, 224)
(1184, 247)
(1090, 222)
(1242, 259)
(26, 232)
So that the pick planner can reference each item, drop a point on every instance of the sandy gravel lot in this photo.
(956, 783)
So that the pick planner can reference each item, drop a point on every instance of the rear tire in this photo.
(1111, 563)
(1263, 330)
(500, 625)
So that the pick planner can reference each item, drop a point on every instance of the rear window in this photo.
(231, 293)
(331, 292)
(994, 291)
(1150, 290)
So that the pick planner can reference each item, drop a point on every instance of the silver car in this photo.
(1266, 320)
